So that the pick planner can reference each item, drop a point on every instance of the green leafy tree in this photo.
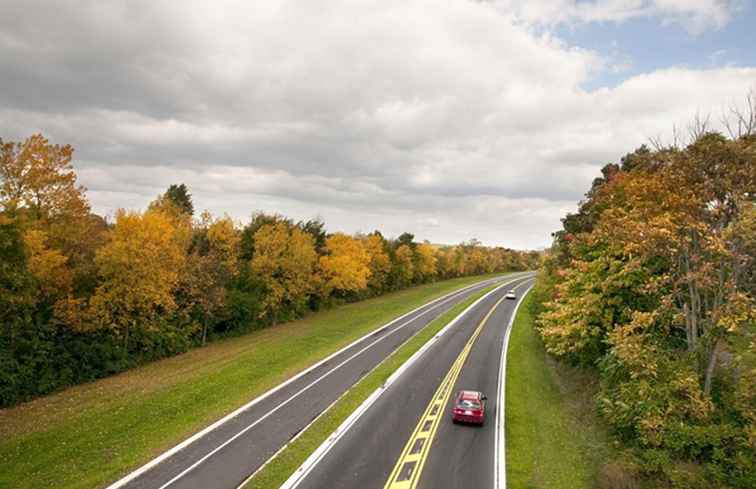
(180, 197)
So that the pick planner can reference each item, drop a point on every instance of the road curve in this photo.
(224, 456)
(377, 451)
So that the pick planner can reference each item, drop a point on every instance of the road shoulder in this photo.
(553, 436)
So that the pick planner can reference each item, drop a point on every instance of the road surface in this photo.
(406, 439)
(226, 455)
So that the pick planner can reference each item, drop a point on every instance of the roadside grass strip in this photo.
(288, 460)
(89, 435)
(553, 439)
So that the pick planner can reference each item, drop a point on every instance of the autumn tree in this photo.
(138, 268)
(284, 260)
(258, 220)
(38, 180)
(345, 266)
(380, 262)
(403, 266)
(38, 186)
(651, 280)
(210, 267)
(446, 262)
(47, 266)
(426, 261)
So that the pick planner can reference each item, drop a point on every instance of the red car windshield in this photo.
(468, 404)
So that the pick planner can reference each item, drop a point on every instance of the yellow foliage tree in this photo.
(38, 187)
(380, 262)
(224, 242)
(47, 265)
(37, 177)
(426, 261)
(138, 267)
(284, 261)
(346, 266)
(405, 266)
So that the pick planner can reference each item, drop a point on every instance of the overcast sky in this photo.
(451, 119)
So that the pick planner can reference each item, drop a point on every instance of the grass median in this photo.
(90, 435)
(282, 466)
(554, 438)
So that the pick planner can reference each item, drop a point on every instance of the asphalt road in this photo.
(377, 451)
(227, 455)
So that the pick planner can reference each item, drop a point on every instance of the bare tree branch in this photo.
(741, 121)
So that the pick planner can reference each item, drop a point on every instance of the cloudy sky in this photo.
(451, 119)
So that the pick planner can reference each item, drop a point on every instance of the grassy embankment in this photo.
(280, 468)
(554, 438)
(89, 435)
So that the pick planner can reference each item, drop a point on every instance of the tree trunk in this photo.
(126, 340)
(712, 362)
(688, 334)
(204, 330)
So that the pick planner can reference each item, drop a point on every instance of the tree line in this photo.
(82, 297)
(652, 283)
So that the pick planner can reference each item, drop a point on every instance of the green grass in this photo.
(280, 468)
(90, 435)
(554, 439)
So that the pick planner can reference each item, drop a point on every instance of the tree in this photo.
(426, 261)
(346, 264)
(446, 262)
(259, 219)
(38, 180)
(284, 260)
(403, 266)
(138, 268)
(180, 197)
(316, 229)
(406, 239)
(380, 262)
(47, 266)
(38, 186)
(16, 283)
(652, 281)
(210, 268)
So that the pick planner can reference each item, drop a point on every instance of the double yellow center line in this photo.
(406, 473)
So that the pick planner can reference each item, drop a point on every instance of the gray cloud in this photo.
(452, 120)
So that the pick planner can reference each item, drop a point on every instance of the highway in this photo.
(225, 454)
(406, 438)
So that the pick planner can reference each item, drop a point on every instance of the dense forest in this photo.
(652, 284)
(82, 297)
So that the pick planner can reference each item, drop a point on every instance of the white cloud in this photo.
(448, 120)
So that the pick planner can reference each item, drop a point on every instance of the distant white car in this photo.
(511, 294)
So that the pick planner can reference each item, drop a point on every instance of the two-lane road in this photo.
(227, 453)
(406, 439)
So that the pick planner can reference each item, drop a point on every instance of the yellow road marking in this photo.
(406, 473)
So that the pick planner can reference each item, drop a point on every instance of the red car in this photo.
(469, 407)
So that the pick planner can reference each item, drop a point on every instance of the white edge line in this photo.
(294, 438)
(297, 394)
(500, 463)
(343, 394)
(300, 473)
(177, 448)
